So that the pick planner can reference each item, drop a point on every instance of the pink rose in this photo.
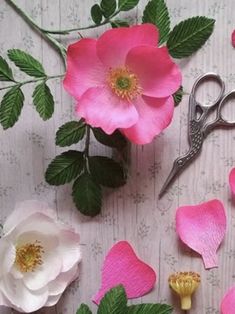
(123, 81)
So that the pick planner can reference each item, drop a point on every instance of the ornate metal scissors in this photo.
(198, 129)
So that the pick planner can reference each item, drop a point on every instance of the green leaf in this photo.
(115, 140)
(107, 172)
(87, 195)
(119, 23)
(26, 63)
(5, 71)
(156, 12)
(96, 14)
(114, 302)
(43, 101)
(65, 168)
(84, 309)
(70, 133)
(189, 35)
(11, 106)
(126, 5)
(108, 7)
(178, 96)
(150, 309)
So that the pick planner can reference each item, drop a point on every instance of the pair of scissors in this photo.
(198, 128)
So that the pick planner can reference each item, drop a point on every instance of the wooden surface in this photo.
(134, 212)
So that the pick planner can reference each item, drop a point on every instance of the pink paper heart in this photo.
(122, 266)
(228, 302)
(202, 228)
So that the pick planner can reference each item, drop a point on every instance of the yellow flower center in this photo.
(124, 83)
(28, 257)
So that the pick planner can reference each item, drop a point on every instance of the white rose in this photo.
(39, 258)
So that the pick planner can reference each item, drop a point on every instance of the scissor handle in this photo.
(204, 77)
(220, 120)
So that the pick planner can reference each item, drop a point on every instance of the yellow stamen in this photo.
(28, 257)
(124, 83)
(184, 284)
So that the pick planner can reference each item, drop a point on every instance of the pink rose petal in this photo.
(233, 38)
(232, 180)
(155, 114)
(228, 302)
(202, 228)
(122, 266)
(114, 45)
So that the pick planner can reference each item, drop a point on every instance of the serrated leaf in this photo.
(65, 168)
(150, 309)
(26, 63)
(107, 172)
(96, 14)
(70, 133)
(119, 23)
(126, 5)
(84, 309)
(114, 302)
(178, 96)
(5, 71)
(115, 140)
(11, 106)
(108, 7)
(87, 195)
(189, 35)
(156, 12)
(43, 101)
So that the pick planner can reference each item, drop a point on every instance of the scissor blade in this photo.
(174, 171)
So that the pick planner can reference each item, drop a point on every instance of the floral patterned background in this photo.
(134, 212)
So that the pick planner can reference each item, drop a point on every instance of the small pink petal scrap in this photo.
(233, 38)
(202, 228)
(228, 302)
(122, 266)
(232, 180)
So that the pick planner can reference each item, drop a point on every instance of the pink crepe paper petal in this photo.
(232, 180)
(233, 38)
(202, 228)
(228, 302)
(122, 266)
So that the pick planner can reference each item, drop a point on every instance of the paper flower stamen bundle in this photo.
(125, 85)
(39, 258)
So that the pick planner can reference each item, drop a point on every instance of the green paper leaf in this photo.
(150, 309)
(126, 5)
(70, 133)
(189, 35)
(119, 23)
(65, 168)
(87, 195)
(178, 96)
(107, 172)
(114, 302)
(115, 140)
(108, 7)
(156, 12)
(84, 309)
(96, 14)
(43, 101)
(26, 63)
(11, 106)
(5, 71)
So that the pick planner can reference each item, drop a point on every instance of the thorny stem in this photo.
(76, 29)
(87, 143)
(58, 46)
(46, 78)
